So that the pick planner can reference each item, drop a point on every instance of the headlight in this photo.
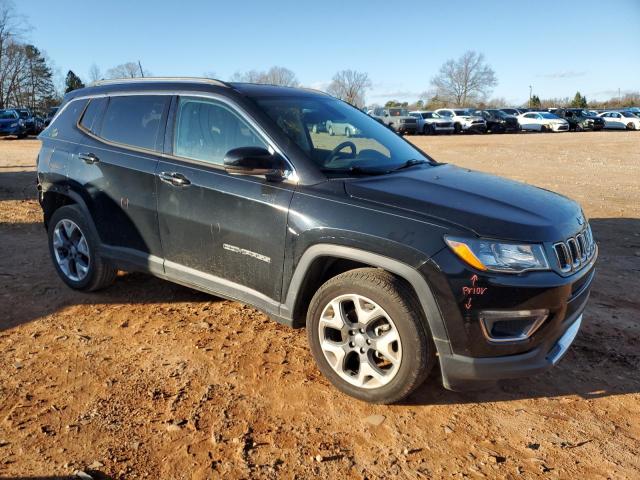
(14, 125)
(497, 256)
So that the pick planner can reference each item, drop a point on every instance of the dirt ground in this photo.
(153, 380)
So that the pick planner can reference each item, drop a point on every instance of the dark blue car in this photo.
(12, 124)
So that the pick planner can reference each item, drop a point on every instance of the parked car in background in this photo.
(32, 122)
(341, 128)
(430, 123)
(514, 111)
(542, 122)
(400, 121)
(50, 114)
(463, 120)
(580, 119)
(497, 121)
(11, 124)
(620, 120)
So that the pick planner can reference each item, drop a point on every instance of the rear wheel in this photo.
(457, 128)
(631, 126)
(330, 130)
(74, 250)
(369, 337)
(347, 132)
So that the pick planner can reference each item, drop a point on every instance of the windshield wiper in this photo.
(410, 163)
(355, 171)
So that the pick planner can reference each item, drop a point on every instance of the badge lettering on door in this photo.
(248, 253)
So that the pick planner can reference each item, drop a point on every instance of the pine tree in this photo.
(72, 82)
(39, 81)
(579, 101)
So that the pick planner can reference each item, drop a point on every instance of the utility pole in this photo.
(530, 90)
(140, 66)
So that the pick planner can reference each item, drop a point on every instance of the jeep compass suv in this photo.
(395, 263)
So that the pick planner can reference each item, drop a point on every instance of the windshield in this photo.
(499, 113)
(338, 137)
(462, 112)
(628, 115)
(23, 114)
(430, 115)
(548, 115)
(398, 112)
(7, 115)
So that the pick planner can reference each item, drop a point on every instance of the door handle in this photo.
(174, 178)
(89, 158)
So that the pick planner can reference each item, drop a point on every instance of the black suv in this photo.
(498, 121)
(580, 119)
(393, 261)
(32, 122)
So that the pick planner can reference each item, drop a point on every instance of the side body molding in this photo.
(411, 275)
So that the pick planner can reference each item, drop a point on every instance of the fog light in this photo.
(511, 325)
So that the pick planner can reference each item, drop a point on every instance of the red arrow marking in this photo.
(474, 279)
(468, 304)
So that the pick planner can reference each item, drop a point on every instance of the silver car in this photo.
(430, 123)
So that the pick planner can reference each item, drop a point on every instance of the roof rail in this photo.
(116, 81)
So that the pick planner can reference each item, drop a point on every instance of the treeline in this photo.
(26, 78)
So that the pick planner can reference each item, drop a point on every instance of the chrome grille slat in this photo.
(574, 252)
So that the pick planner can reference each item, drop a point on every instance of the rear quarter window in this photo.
(135, 120)
(64, 125)
(92, 114)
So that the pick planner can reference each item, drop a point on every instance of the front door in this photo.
(222, 232)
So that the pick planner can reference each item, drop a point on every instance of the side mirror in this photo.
(256, 161)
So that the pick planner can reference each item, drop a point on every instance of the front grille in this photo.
(477, 121)
(575, 252)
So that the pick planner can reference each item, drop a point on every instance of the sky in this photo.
(555, 46)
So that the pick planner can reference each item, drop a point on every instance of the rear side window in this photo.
(134, 120)
(206, 130)
(92, 114)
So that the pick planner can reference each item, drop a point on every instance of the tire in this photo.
(631, 126)
(579, 128)
(457, 128)
(330, 130)
(99, 273)
(399, 317)
(347, 132)
(314, 129)
(21, 136)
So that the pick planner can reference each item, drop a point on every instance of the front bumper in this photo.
(460, 373)
(470, 359)
(475, 127)
(406, 128)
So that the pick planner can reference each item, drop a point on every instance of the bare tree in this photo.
(467, 79)
(350, 86)
(94, 73)
(274, 76)
(127, 70)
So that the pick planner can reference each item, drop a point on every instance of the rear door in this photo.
(225, 233)
(116, 165)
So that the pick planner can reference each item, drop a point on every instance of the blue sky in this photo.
(556, 46)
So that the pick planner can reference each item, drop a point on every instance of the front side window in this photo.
(206, 130)
(336, 136)
(134, 120)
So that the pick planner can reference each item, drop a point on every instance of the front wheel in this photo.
(369, 337)
(631, 126)
(457, 128)
(74, 250)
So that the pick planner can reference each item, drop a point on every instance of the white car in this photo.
(340, 128)
(431, 123)
(542, 122)
(463, 120)
(622, 120)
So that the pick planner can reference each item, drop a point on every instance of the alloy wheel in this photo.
(71, 250)
(360, 341)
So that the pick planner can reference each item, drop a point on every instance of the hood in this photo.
(488, 205)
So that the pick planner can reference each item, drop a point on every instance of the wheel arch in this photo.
(323, 261)
(54, 198)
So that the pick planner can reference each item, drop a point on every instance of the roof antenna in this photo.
(141, 72)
